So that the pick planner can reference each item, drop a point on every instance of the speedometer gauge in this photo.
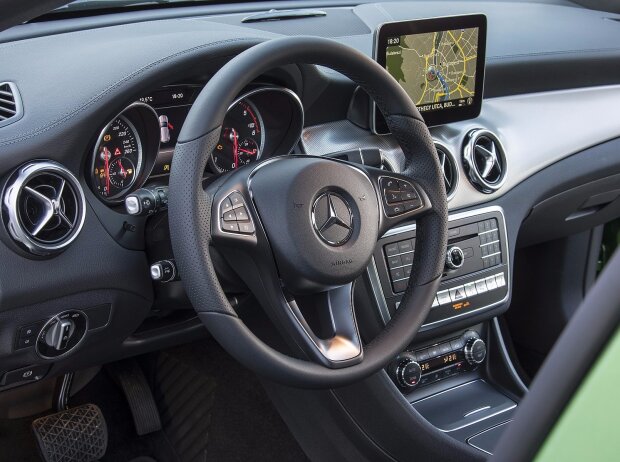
(241, 140)
(117, 159)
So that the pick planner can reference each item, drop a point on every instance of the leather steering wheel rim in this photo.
(191, 208)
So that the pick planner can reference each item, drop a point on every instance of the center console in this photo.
(446, 377)
(476, 270)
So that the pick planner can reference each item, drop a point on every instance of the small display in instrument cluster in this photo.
(177, 95)
(170, 122)
(172, 105)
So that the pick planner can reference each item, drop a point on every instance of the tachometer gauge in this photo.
(242, 138)
(117, 159)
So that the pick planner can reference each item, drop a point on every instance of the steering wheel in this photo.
(299, 230)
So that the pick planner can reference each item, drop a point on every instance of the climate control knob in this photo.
(408, 372)
(475, 351)
(454, 258)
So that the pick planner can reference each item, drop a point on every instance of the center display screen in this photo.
(438, 62)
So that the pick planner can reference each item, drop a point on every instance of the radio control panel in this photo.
(476, 272)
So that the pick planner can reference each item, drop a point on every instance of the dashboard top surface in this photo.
(519, 32)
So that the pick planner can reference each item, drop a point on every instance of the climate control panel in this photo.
(416, 368)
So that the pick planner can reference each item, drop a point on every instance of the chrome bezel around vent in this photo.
(14, 193)
(497, 156)
(448, 157)
(17, 102)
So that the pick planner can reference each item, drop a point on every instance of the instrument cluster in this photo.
(138, 144)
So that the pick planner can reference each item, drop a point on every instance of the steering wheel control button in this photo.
(163, 271)
(230, 227)
(230, 216)
(234, 216)
(390, 184)
(61, 334)
(332, 219)
(393, 197)
(236, 200)
(241, 214)
(226, 205)
(246, 228)
(399, 196)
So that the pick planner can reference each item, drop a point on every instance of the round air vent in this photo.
(449, 168)
(43, 207)
(484, 161)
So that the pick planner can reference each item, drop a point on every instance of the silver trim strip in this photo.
(484, 431)
(373, 274)
(377, 291)
(475, 411)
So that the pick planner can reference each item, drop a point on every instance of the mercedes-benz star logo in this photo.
(332, 219)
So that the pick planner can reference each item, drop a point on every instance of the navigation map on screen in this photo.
(436, 69)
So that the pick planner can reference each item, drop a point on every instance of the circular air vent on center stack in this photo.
(484, 161)
(43, 207)
(449, 169)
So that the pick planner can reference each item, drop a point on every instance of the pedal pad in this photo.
(79, 434)
(132, 380)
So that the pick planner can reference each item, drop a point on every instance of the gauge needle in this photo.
(248, 151)
(123, 172)
(106, 156)
(235, 136)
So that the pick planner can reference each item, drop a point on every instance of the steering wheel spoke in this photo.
(328, 326)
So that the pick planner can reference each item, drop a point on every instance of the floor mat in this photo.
(213, 409)
(185, 399)
(123, 442)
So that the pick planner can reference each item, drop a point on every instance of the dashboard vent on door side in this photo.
(484, 161)
(43, 207)
(11, 109)
(449, 169)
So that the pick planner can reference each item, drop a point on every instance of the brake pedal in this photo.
(79, 434)
(132, 380)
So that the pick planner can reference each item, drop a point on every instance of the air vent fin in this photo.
(449, 169)
(485, 161)
(43, 207)
(10, 104)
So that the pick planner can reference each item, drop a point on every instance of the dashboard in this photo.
(107, 136)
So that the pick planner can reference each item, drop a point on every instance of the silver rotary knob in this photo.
(454, 258)
(475, 351)
(408, 373)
